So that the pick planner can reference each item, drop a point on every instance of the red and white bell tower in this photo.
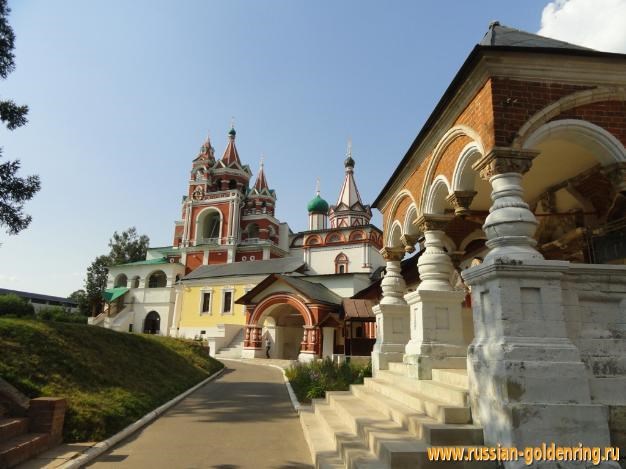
(223, 220)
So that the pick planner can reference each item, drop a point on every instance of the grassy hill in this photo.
(110, 379)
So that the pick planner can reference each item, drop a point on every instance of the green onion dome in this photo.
(232, 132)
(318, 205)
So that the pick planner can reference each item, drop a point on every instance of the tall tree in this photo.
(128, 246)
(14, 190)
(80, 297)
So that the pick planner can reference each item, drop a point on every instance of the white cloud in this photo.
(598, 24)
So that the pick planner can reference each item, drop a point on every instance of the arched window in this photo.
(134, 283)
(232, 184)
(210, 226)
(120, 281)
(253, 230)
(341, 264)
(157, 280)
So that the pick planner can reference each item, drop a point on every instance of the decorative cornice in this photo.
(432, 222)
(502, 160)
(392, 254)
(461, 201)
(408, 241)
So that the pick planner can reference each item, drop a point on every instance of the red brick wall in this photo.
(218, 257)
(610, 115)
(516, 101)
(194, 260)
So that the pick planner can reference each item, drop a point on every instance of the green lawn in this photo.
(110, 379)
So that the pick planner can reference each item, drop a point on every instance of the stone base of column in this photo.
(528, 385)
(253, 353)
(307, 357)
(392, 334)
(437, 339)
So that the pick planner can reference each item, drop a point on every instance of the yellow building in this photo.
(205, 299)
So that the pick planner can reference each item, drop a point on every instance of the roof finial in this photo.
(231, 132)
(349, 161)
(262, 160)
(317, 187)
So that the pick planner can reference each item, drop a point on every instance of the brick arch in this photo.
(449, 146)
(309, 240)
(399, 206)
(354, 234)
(578, 99)
(334, 233)
(277, 299)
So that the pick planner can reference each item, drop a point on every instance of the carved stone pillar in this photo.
(510, 225)
(392, 314)
(528, 384)
(409, 241)
(437, 339)
(461, 201)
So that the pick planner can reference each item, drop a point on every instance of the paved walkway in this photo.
(243, 419)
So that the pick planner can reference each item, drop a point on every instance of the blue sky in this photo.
(122, 95)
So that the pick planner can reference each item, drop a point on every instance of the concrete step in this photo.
(323, 447)
(419, 424)
(12, 427)
(448, 393)
(452, 363)
(425, 404)
(454, 377)
(389, 442)
(21, 448)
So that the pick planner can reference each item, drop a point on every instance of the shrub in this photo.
(59, 314)
(312, 380)
(13, 305)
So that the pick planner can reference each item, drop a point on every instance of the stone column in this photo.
(510, 225)
(253, 343)
(392, 314)
(528, 384)
(310, 344)
(436, 324)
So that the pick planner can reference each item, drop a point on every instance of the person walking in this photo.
(268, 346)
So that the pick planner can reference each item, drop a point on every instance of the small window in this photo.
(228, 302)
(252, 258)
(157, 280)
(359, 332)
(244, 258)
(202, 332)
(206, 303)
(342, 269)
(130, 328)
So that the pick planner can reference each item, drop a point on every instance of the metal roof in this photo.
(361, 309)
(499, 35)
(312, 290)
(271, 266)
(37, 296)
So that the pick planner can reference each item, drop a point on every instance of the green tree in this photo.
(124, 247)
(80, 297)
(128, 246)
(14, 190)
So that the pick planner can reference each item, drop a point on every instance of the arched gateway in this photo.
(288, 313)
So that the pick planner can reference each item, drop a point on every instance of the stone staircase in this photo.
(390, 421)
(17, 444)
(234, 349)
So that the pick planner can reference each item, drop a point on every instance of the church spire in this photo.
(349, 194)
(231, 155)
(261, 181)
(349, 210)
